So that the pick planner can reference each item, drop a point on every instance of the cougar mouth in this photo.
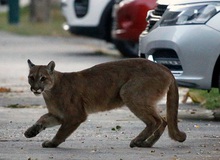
(37, 92)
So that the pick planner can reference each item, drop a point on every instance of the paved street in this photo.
(98, 138)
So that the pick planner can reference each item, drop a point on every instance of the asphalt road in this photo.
(97, 138)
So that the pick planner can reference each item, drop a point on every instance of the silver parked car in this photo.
(186, 39)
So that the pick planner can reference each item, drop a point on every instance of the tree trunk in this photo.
(40, 10)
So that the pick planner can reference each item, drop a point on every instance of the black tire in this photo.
(3, 2)
(127, 48)
(219, 82)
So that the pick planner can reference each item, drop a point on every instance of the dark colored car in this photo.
(129, 21)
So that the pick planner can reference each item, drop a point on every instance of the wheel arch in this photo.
(105, 24)
(216, 74)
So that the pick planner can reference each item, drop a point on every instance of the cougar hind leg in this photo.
(156, 134)
(155, 126)
(142, 102)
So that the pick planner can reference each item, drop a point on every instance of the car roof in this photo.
(167, 2)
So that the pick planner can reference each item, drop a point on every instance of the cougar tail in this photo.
(172, 113)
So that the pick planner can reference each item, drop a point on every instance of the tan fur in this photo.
(137, 83)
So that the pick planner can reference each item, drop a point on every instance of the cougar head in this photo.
(40, 77)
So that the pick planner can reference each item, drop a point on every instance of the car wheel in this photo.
(3, 2)
(219, 82)
(127, 48)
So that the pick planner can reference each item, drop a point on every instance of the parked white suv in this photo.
(91, 18)
(186, 40)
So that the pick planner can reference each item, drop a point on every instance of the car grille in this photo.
(155, 15)
(168, 58)
(81, 7)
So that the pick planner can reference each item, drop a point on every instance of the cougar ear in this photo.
(30, 64)
(51, 66)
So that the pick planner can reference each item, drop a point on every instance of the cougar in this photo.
(137, 83)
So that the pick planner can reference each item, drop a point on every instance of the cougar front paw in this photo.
(33, 131)
(49, 144)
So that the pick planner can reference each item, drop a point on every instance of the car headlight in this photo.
(189, 14)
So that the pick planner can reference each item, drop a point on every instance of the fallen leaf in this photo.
(152, 151)
(196, 126)
(117, 128)
(4, 90)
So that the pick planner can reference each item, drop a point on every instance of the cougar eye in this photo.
(31, 78)
(42, 79)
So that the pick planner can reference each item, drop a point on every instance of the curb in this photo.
(194, 112)
(216, 114)
(201, 114)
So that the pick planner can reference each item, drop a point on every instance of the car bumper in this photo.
(83, 31)
(196, 54)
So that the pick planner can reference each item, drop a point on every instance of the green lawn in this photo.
(212, 98)
(25, 27)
